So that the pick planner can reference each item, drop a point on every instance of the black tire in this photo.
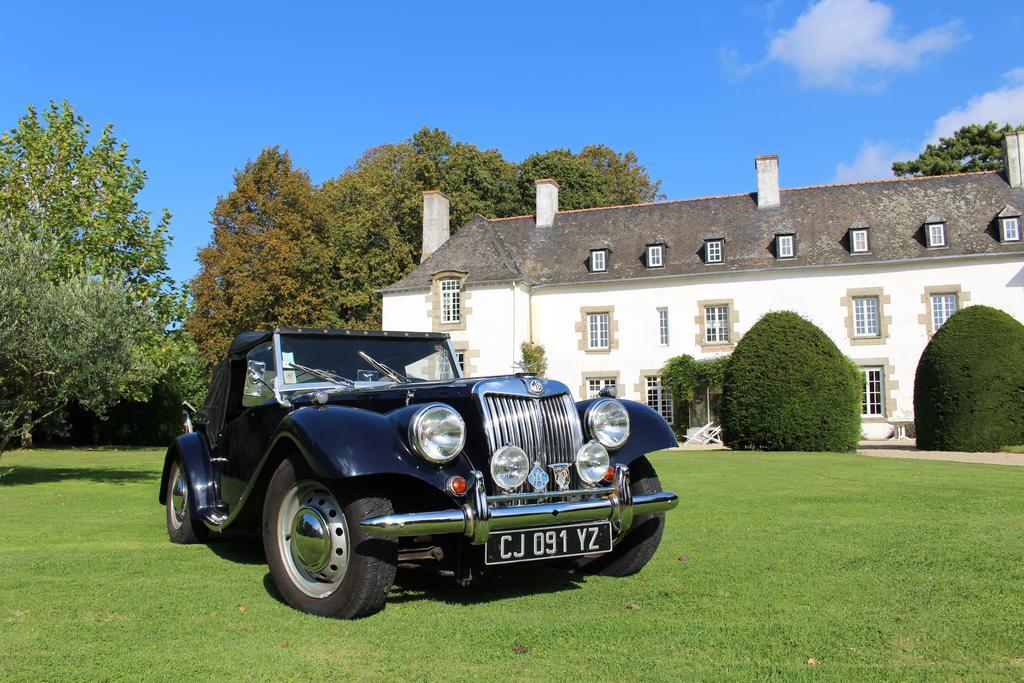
(370, 562)
(181, 528)
(637, 547)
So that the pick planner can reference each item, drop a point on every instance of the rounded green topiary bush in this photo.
(969, 387)
(788, 388)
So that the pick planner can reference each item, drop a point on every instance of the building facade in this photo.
(613, 293)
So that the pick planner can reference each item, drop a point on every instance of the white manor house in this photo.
(613, 293)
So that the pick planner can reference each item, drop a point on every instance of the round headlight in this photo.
(437, 433)
(608, 422)
(509, 467)
(592, 462)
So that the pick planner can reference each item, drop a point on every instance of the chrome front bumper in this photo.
(479, 517)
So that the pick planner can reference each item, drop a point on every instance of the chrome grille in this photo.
(547, 428)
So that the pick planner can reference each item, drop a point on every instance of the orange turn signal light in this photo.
(610, 474)
(458, 485)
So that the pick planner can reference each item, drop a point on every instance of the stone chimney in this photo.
(767, 180)
(1013, 147)
(435, 222)
(547, 202)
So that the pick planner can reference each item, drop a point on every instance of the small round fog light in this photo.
(510, 467)
(592, 462)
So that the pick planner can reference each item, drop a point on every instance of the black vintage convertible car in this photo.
(355, 451)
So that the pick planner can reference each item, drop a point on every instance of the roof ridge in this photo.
(747, 194)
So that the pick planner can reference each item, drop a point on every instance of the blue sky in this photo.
(837, 88)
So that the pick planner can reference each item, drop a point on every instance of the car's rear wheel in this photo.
(181, 528)
(319, 558)
(636, 548)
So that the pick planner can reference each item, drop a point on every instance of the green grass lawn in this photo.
(876, 568)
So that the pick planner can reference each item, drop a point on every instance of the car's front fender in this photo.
(648, 431)
(192, 450)
(341, 442)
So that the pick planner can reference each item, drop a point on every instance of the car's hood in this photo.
(420, 392)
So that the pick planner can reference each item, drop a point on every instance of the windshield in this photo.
(343, 360)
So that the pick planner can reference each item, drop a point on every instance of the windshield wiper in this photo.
(326, 375)
(393, 374)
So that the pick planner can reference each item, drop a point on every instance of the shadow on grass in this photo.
(417, 585)
(22, 475)
(887, 446)
(241, 548)
(413, 585)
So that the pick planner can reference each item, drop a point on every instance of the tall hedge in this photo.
(969, 387)
(788, 387)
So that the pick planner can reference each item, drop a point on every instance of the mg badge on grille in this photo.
(535, 386)
(538, 479)
(560, 471)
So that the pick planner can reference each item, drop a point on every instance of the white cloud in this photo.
(835, 41)
(873, 161)
(1003, 105)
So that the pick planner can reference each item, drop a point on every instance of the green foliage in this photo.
(374, 209)
(597, 176)
(972, 148)
(787, 387)
(82, 199)
(969, 386)
(534, 358)
(270, 262)
(683, 375)
(77, 338)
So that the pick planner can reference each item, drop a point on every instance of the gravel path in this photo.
(907, 449)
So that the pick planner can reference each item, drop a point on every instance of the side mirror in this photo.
(608, 391)
(254, 370)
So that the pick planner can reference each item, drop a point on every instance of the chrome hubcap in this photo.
(310, 542)
(179, 498)
(313, 539)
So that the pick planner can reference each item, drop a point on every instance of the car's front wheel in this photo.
(319, 558)
(638, 545)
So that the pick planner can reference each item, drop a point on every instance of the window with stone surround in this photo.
(865, 317)
(451, 301)
(716, 324)
(942, 307)
(873, 401)
(598, 329)
(595, 384)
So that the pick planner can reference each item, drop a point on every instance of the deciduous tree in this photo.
(271, 261)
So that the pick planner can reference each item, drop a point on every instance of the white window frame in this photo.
(716, 324)
(599, 331)
(1005, 223)
(873, 397)
(655, 255)
(596, 256)
(460, 361)
(867, 316)
(451, 300)
(856, 235)
(595, 384)
(936, 235)
(658, 397)
(785, 246)
(715, 255)
(941, 309)
(663, 332)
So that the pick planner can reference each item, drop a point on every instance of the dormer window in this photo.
(1009, 229)
(655, 255)
(935, 235)
(785, 246)
(714, 251)
(859, 241)
(598, 260)
(1009, 224)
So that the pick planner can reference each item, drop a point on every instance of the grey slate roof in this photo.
(502, 250)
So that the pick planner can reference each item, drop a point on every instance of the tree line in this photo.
(92, 325)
